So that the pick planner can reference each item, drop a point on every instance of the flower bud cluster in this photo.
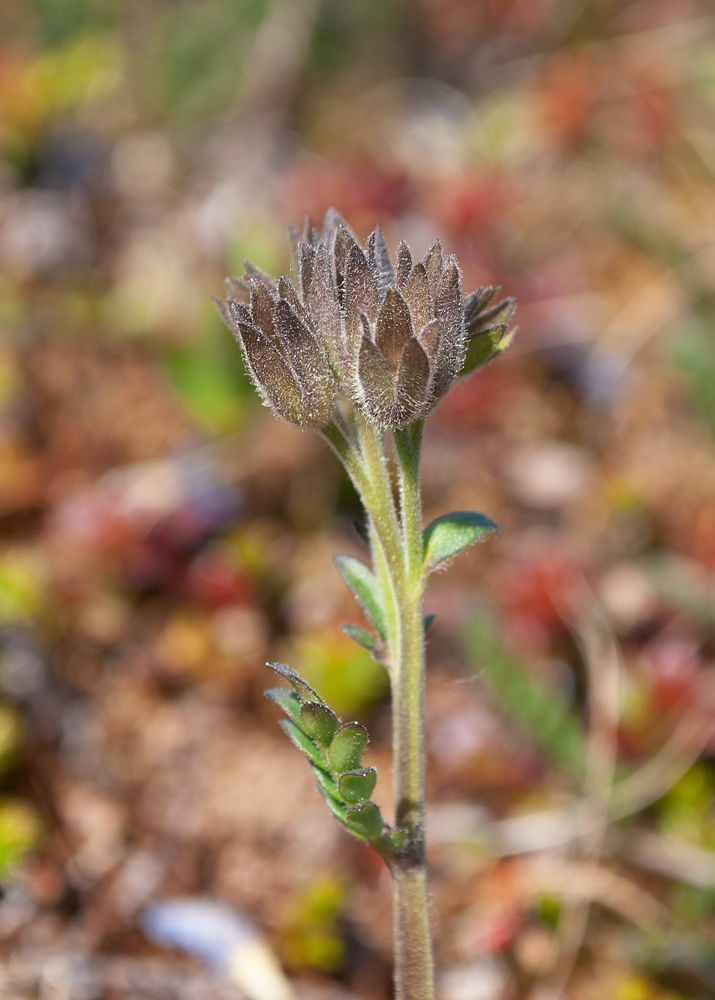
(350, 323)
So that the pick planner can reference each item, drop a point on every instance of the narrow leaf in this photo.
(303, 690)
(428, 622)
(326, 781)
(451, 533)
(484, 347)
(319, 722)
(357, 786)
(366, 821)
(287, 700)
(362, 638)
(346, 749)
(336, 807)
(303, 742)
(363, 585)
(477, 301)
(489, 319)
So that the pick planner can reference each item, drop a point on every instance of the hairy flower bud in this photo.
(391, 337)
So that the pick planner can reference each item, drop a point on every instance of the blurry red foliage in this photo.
(213, 580)
(498, 915)
(696, 537)
(532, 591)
(465, 205)
(566, 94)
(670, 667)
(481, 398)
(361, 191)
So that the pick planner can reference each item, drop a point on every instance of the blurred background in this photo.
(162, 535)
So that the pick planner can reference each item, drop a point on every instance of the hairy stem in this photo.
(397, 557)
(414, 977)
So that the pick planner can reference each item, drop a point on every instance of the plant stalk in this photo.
(397, 557)
(414, 974)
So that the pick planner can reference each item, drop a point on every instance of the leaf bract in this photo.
(451, 533)
(363, 585)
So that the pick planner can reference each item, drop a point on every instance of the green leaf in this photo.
(365, 821)
(287, 700)
(303, 742)
(357, 786)
(451, 533)
(326, 781)
(303, 690)
(347, 747)
(485, 346)
(319, 722)
(363, 585)
(362, 638)
(336, 807)
(428, 622)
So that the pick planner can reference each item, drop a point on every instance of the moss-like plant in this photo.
(361, 348)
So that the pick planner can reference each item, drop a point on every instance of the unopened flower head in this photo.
(351, 323)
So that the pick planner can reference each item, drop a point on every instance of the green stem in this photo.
(408, 443)
(397, 555)
(414, 977)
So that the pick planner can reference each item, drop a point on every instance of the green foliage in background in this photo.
(694, 354)
(193, 61)
(343, 28)
(209, 377)
(19, 833)
(542, 712)
(22, 585)
(687, 812)
(57, 21)
(313, 935)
